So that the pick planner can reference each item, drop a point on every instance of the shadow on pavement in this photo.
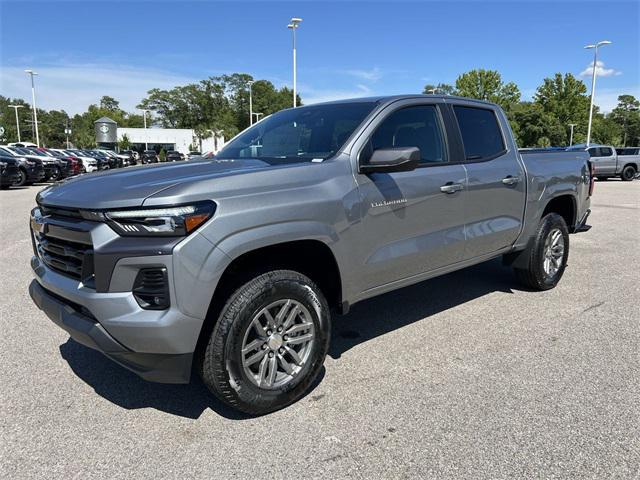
(125, 389)
(367, 320)
(394, 310)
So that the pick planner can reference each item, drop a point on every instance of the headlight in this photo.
(166, 222)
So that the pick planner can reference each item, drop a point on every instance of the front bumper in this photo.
(155, 367)
(153, 343)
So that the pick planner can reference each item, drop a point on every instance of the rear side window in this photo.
(481, 135)
(605, 152)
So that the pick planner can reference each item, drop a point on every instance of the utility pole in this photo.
(144, 116)
(250, 83)
(33, 99)
(571, 137)
(593, 82)
(67, 132)
(293, 25)
(16, 107)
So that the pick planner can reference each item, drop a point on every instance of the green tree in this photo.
(8, 119)
(124, 143)
(488, 85)
(439, 89)
(564, 98)
(534, 127)
(627, 116)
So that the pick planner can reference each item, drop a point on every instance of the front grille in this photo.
(66, 250)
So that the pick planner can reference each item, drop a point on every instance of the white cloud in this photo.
(312, 95)
(600, 70)
(74, 86)
(372, 75)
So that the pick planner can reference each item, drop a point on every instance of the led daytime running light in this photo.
(150, 213)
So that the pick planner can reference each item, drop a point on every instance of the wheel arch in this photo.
(565, 206)
(310, 256)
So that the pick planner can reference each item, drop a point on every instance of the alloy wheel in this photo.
(277, 343)
(553, 253)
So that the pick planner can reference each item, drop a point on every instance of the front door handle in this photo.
(451, 187)
(510, 180)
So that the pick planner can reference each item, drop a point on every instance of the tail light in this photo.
(592, 173)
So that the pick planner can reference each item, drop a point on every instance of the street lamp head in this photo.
(30, 72)
(599, 44)
(16, 106)
(294, 22)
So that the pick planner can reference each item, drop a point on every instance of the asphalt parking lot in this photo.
(464, 376)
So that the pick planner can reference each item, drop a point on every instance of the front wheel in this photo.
(269, 343)
(548, 254)
(22, 180)
(628, 173)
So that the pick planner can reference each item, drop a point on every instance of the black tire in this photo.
(5, 187)
(534, 275)
(56, 174)
(22, 181)
(222, 370)
(628, 173)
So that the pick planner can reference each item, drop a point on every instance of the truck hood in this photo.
(129, 187)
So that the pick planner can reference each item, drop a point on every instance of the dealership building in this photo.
(108, 134)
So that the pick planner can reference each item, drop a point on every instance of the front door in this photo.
(414, 221)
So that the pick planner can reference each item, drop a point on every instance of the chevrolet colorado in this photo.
(232, 266)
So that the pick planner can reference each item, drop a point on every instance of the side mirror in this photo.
(387, 160)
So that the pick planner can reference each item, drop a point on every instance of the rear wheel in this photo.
(269, 343)
(547, 256)
(22, 180)
(628, 173)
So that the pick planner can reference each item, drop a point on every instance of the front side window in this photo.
(593, 152)
(481, 135)
(300, 134)
(418, 126)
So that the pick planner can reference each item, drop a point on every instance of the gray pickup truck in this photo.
(233, 266)
(609, 162)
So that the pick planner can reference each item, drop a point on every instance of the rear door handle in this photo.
(451, 187)
(510, 180)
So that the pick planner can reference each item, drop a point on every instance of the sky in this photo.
(83, 50)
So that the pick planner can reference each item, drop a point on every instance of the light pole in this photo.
(67, 132)
(571, 136)
(250, 83)
(593, 83)
(258, 115)
(16, 107)
(33, 98)
(293, 25)
(144, 116)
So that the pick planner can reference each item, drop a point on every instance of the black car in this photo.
(51, 166)
(9, 173)
(30, 169)
(173, 156)
(150, 156)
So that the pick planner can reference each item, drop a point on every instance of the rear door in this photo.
(411, 225)
(496, 183)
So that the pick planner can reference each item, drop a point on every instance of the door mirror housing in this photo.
(396, 159)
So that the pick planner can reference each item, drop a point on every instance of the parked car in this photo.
(120, 160)
(9, 171)
(23, 144)
(89, 163)
(131, 157)
(107, 161)
(173, 156)
(30, 170)
(51, 166)
(150, 156)
(66, 166)
(607, 163)
(193, 154)
(77, 166)
(234, 265)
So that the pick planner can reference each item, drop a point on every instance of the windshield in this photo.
(301, 134)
